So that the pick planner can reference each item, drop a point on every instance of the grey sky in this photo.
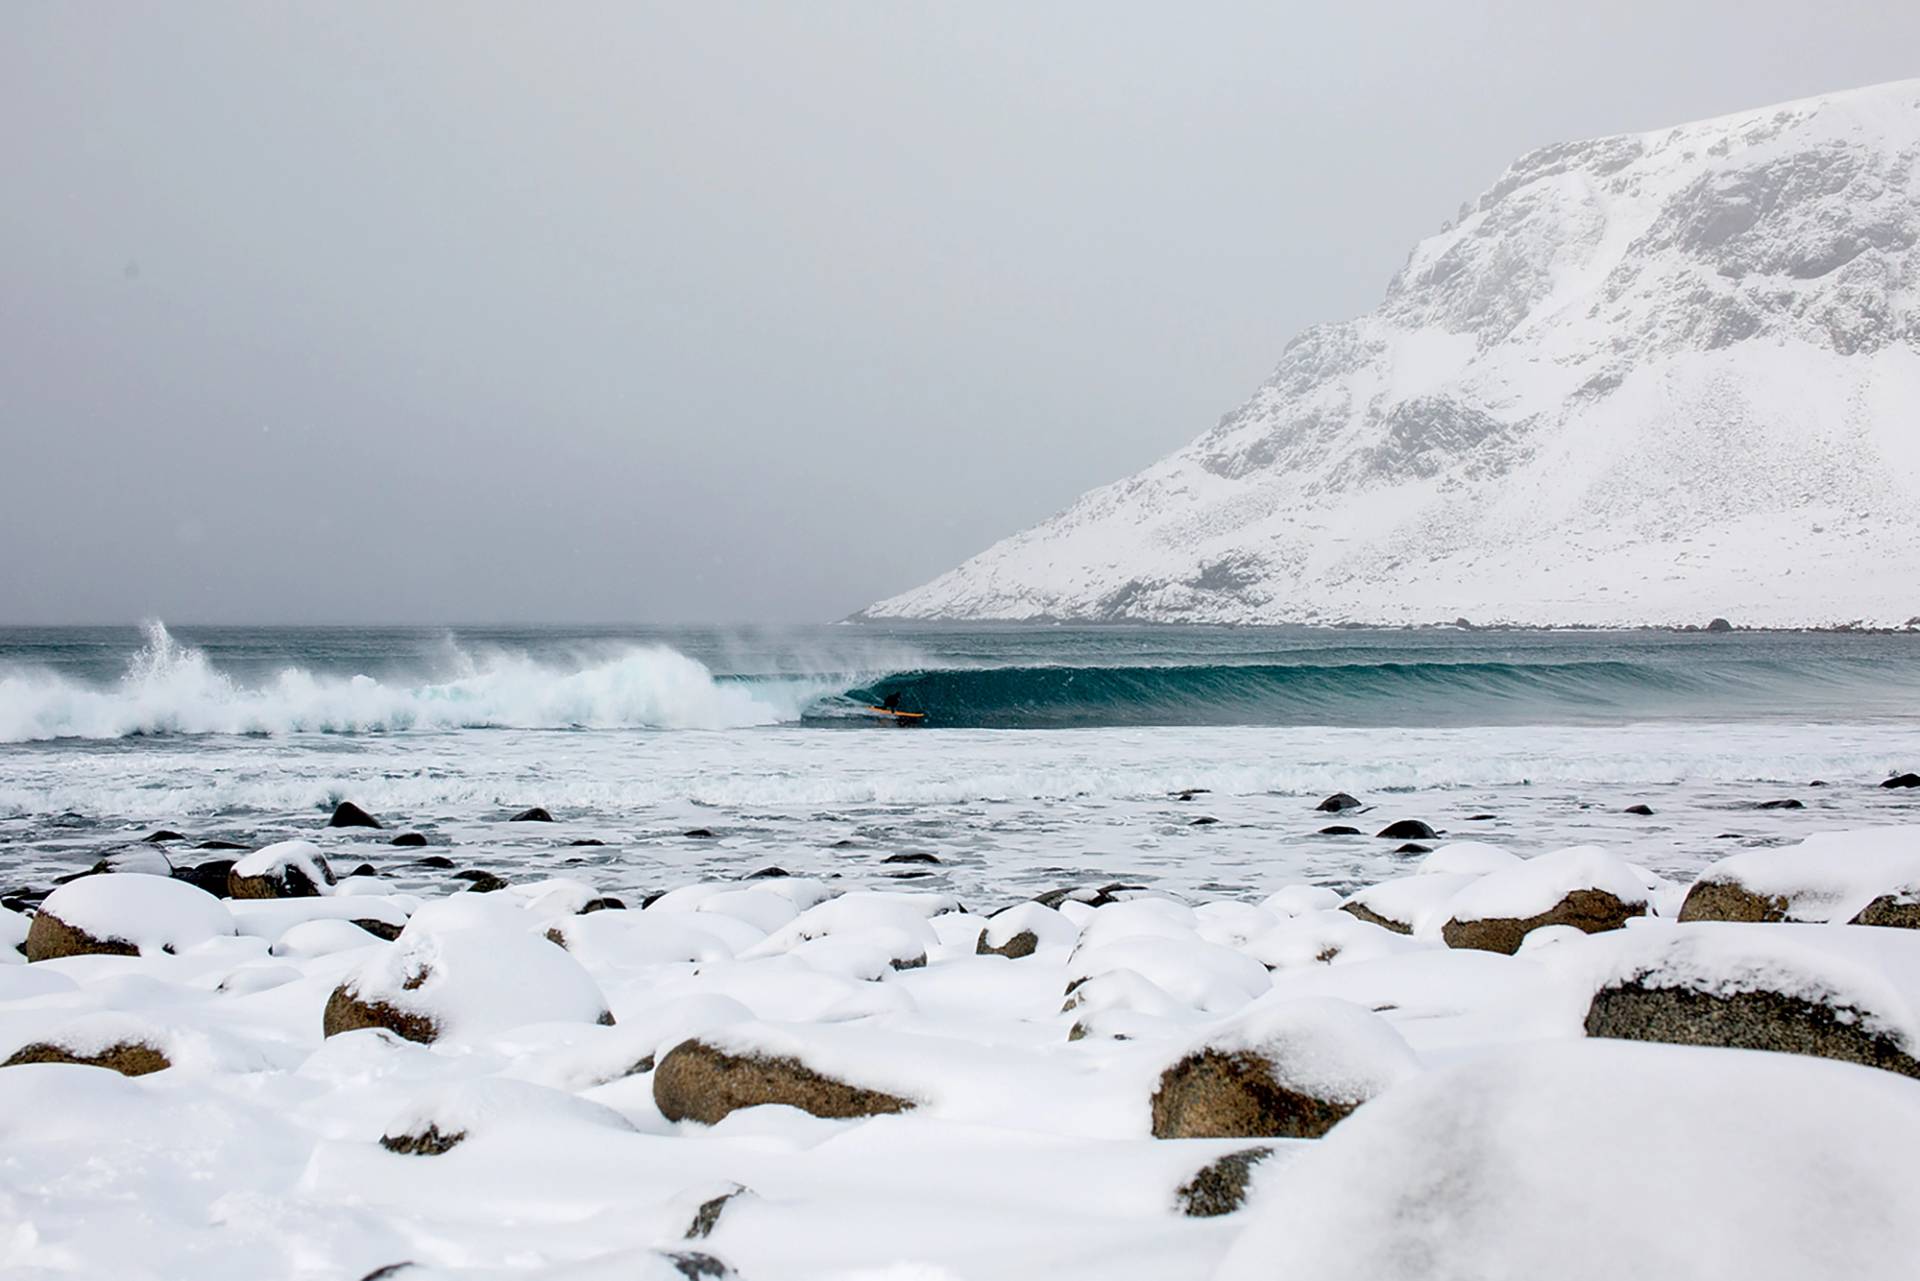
(470, 312)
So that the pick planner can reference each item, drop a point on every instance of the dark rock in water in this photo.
(1903, 780)
(408, 840)
(1412, 847)
(699, 833)
(605, 903)
(222, 845)
(210, 876)
(1590, 911)
(1481, 818)
(347, 814)
(1719, 625)
(1819, 782)
(164, 834)
(128, 1058)
(428, 1142)
(1338, 830)
(1743, 1021)
(536, 814)
(587, 840)
(1788, 804)
(707, 1217)
(1188, 793)
(434, 860)
(380, 929)
(1644, 811)
(389, 1272)
(1407, 829)
(1214, 1094)
(649, 900)
(916, 857)
(1025, 943)
(1205, 820)
(1337, 803)
(1220, 1187)
(365, 869)
(1089, 895)
(698, 1082)
(480, 882)
(767, 874)
(843, 844)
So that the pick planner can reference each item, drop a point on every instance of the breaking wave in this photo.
(170, 688)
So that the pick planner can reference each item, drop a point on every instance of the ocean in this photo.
(1189, 759)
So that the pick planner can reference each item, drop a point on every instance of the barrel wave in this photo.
(1373, 693)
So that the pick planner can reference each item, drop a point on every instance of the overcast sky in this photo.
(444, 313)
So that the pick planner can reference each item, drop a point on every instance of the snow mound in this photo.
(471, 982)
(1579, 1159)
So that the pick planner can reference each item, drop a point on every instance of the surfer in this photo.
(891, 702)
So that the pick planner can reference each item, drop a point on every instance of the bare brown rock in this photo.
(697, 1082)
(1773, 1021)
(428, 1142)
(1372, 917)
(1728, 901)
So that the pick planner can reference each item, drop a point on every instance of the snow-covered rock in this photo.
(1798, 989)
(701, 1081)
(464, 983)
(1289, 1067)
(1642, 379)
(1583, 886)
(1832, 876)
(1024, 929)
(1578, 1159)
(288, 869)
(125, 914)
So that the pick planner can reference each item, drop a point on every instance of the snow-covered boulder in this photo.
(1292, 900)
(1796, 989)
(1473, 858)
(125, 914)
(464, 983)
(1589, 1160)
(1869, 877)
(1584, 887)
(1287, 1068)
(1024, 929)
(706, 1079)
(1406, 904)
(287, 869)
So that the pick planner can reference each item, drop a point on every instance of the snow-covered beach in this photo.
(784, 1076)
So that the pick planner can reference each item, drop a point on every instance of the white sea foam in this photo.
(170, 688)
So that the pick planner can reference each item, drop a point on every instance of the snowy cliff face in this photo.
(1645, 379)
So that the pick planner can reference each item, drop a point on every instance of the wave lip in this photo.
(170, 688)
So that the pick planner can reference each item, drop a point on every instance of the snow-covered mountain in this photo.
(1644, 379)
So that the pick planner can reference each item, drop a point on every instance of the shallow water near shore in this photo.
(1050, 755)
